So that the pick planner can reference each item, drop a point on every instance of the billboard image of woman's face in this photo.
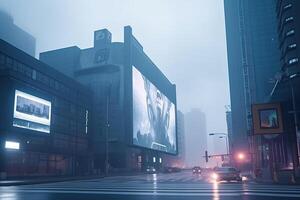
(153, 116)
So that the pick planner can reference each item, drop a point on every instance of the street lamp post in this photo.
(226, 142)
(222, 135)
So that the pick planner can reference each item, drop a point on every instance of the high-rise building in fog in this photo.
(181, 138)
(253, 60)
(195, 137)
(16, 36)
(263, 63)
(286, 89)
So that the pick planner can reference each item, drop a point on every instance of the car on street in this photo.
(150, 170)
(196, 170)
(171, 169)
(226, 174)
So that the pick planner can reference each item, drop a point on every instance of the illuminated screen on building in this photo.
(268, 118)
(31, 112)
(154, 124)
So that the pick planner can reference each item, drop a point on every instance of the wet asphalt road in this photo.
(180, 186)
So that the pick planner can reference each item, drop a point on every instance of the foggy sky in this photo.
(184, 38)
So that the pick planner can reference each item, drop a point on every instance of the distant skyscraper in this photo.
(181, 138)
(195, 137)
(253, 60)
(16, 36)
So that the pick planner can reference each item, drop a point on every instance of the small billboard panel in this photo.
(267, 118)
(31, 112)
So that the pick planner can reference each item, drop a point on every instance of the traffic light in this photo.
(206, 156)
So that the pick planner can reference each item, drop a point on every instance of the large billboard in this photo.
(267, 118)
(154, 123)
(31, 112)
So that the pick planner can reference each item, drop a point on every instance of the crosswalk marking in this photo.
(160, 193)
(164, 185)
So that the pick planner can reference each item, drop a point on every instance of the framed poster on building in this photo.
(31, 112)
(267, 118)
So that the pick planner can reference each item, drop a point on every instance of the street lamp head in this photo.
(241, 156)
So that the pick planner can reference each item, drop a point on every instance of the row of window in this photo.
(286, 21)
(7, 62)
(65, 125)
(75, 114)
(288, 34)
(284, 9)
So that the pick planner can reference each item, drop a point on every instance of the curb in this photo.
(60, 179)
(41, 181)
(276, 183)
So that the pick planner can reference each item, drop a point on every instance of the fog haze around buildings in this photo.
(186, 39)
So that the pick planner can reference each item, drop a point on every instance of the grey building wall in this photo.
(63, 151)
(253, 60)
(181, 138)
(106, 69)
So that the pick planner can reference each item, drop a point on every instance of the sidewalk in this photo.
(40, 180)
(281, 178)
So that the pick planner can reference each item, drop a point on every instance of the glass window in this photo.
(86, 121)
(289, 19)
(34, 75)
(293, 61)
(287, 6)
(291, 32)
(2, 59)
(15, 65)
(292, 46)
(9, 62)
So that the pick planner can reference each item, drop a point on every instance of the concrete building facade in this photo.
(44, 118)
(107, 69)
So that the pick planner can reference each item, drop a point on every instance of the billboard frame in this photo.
(257, 129)
(16, 115)
(131, 114)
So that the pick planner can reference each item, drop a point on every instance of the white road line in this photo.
(162, 186)
(210, 194)
(163, 190)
